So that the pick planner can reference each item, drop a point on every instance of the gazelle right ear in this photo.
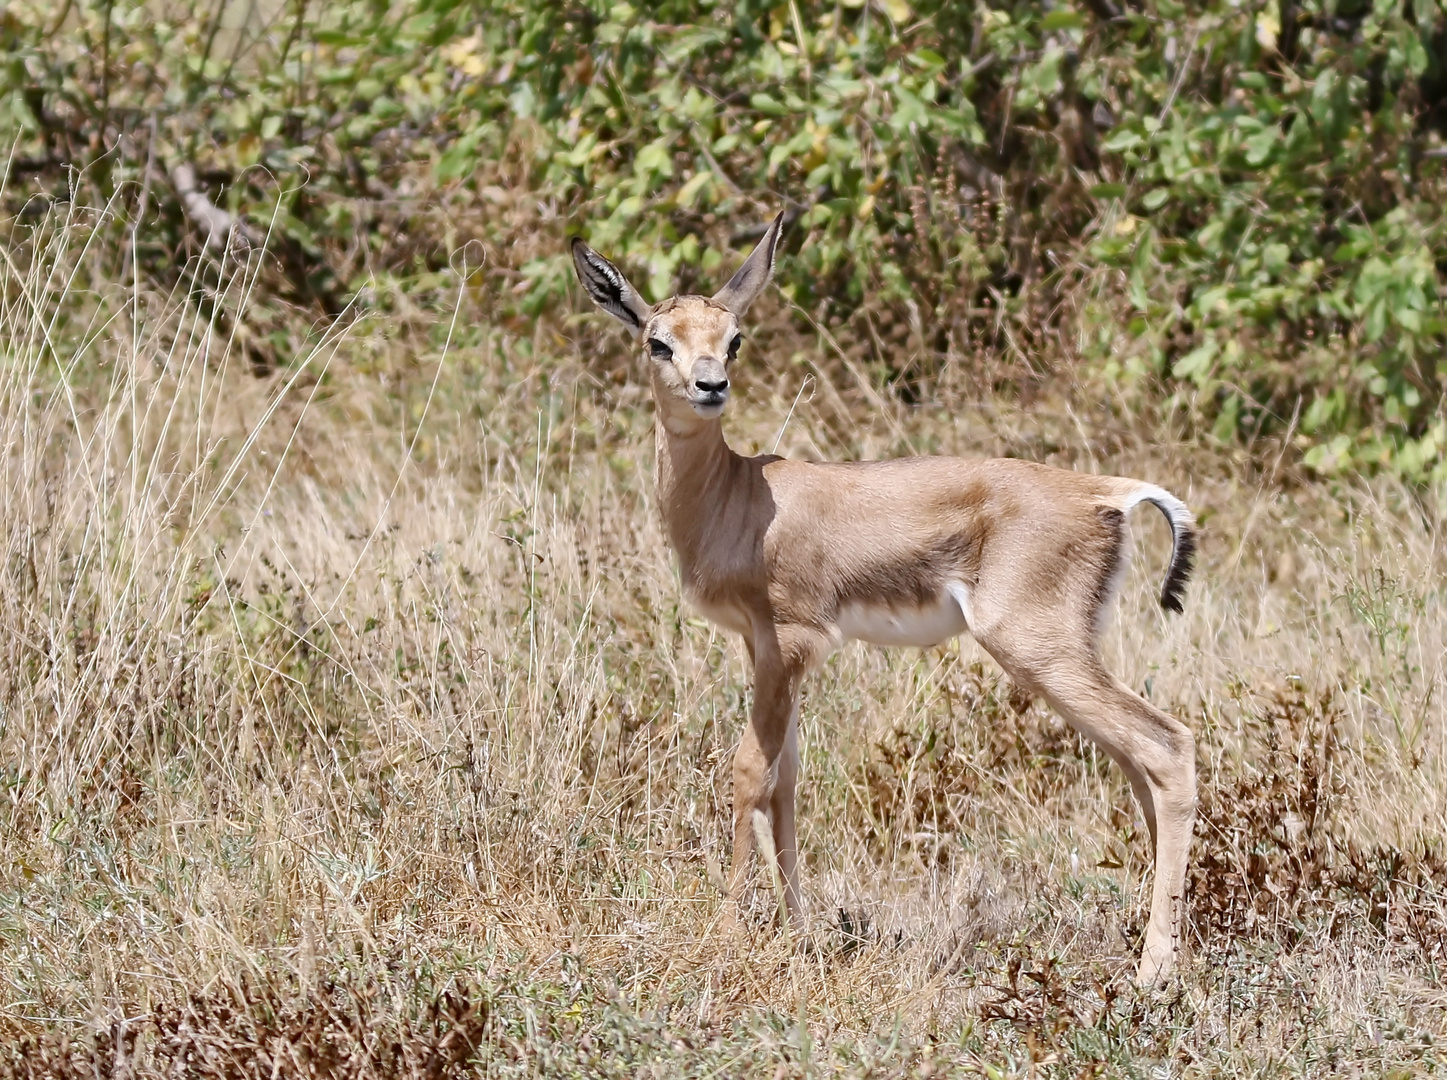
(608, 287)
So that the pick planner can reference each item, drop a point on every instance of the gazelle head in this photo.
(687, 341)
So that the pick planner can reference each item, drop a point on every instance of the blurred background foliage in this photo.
(1230, 213)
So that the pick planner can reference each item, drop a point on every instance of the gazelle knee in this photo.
(1182, 749)
(754, 781)
(1172, 771)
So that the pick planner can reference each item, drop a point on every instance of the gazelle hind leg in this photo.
(1156, 752)
(1158, 755)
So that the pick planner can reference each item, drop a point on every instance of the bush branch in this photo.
(216, 223)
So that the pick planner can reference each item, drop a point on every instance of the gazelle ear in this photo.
(744, 287)
(608, 287)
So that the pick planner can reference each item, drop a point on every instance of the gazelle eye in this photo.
(734, 345)
(658, 350)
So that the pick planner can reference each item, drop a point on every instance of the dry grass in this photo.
(352, 726)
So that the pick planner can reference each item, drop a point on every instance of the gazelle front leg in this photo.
(766, 767)
(786, 833)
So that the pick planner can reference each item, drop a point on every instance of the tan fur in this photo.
(776, 550)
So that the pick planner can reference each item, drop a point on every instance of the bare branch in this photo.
(218, 224)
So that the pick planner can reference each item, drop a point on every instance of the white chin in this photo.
(709, 411)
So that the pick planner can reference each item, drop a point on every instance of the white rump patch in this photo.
(881, 624)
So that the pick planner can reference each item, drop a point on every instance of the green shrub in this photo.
(1235, 208)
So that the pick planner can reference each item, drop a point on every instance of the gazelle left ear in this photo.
(744, 287)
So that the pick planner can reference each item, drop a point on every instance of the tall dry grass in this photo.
(352, 725)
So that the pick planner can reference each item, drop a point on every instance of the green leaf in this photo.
(1122, 140)
(458, 159)
(690, 190)
(1416, 53)
(1196, 364)
(909, 111)
(655, 159)
(1228, 421)
(765, 104)
(1044, 77)
(1259, 146)
(1274, 257)
(1376, 323)
(1062, 19)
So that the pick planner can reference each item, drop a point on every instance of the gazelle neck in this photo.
(695, 470)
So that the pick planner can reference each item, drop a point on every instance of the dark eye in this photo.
(734, 345)
(658, 350)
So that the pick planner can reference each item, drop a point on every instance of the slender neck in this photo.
(695, 464)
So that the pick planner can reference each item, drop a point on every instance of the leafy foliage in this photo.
(1234, 208)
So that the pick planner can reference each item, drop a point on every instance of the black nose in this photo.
(712, 386)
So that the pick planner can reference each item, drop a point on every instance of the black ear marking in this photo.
(607, 287)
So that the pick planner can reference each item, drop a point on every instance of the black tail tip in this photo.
(1183, 559)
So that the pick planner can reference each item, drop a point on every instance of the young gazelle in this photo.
(799, 557)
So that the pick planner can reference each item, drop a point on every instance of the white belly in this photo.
(948, 616)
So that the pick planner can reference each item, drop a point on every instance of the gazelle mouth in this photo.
(710, 405)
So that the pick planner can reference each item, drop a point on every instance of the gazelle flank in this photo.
(799, 557)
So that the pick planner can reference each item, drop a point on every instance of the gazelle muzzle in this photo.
(710, 389)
